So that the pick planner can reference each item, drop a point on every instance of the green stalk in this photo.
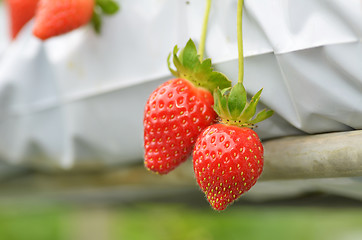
(240, 40)
(204, 29)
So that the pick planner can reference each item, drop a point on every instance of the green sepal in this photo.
(233, 108)
(108, 7)
(217, 104)
(262, 115)
(200, 72)
(220, 102)
(175, 73)
(237, 100)
(250, 109)
(96, 22)
(189, 57)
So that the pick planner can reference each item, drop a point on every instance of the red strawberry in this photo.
(228, 158)
(175, 114)
(178, 110)
(55, 17)
(227, 162)
(20, 12)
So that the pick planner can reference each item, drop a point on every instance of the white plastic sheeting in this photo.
(76, 101)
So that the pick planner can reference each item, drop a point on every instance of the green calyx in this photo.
(106, 7)
(233, 108)
(231, 103)
(199, 72)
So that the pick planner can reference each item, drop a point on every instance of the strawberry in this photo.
(20, 12)
(228, 157)
(56, 17)
(227, 162)
(178, 110)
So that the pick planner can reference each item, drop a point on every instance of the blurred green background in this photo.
(309, 218)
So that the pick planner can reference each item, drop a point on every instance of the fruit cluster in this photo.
(200, 113)
(57, 17)
(181, 116)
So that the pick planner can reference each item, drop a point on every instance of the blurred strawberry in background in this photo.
(54, 18)
(20, 12)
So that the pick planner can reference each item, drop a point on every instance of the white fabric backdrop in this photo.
(76, 101)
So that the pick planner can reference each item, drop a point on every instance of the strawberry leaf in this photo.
(200, 73)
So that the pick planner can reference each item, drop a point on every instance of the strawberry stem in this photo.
(204, 30)
(240, 40)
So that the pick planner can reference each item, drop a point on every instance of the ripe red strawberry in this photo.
(55, 17)
(175, 114)
(178, 110)
(20, 12)
(228, 157)
(227, 162)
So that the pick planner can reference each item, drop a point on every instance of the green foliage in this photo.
(19, 223)
(199, 72)
(176, 222)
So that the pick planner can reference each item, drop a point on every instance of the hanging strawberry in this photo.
(56, 17)
(178, 110)
(228, 157)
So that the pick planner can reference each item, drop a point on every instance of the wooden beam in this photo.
(327, 155)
